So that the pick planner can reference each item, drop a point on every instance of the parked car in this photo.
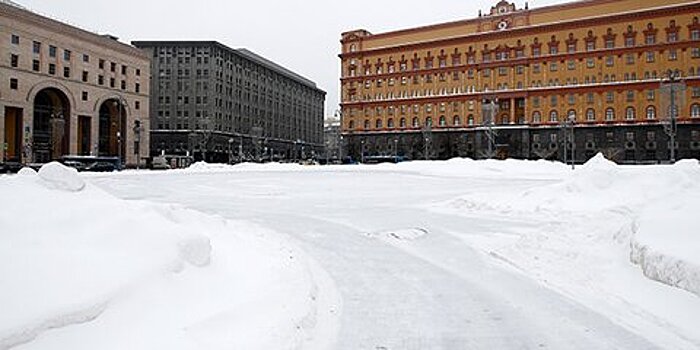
(10, 167)
(80, 166)
(160, 163)
(100, 167)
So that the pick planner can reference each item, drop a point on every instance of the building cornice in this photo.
(693, 7)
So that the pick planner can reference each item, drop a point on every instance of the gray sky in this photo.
(302, 36)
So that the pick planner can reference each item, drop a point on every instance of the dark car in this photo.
(10, 167)
(100, 167)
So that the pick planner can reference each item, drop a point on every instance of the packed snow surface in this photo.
(459, 254)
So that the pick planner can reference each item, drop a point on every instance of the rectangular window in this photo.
(651, 95)
(112, 82)
(695, 52)
(553, 67)
(14, 60)
(138, 72)
(124, 70)
(651, 57)
(52, 69)
(610, 61)
(630, 58)
(14, 84)
(137, 105)
(86, 58)
(85, 76)
(36, 65)
(85, 96)
(100, 80)
(672, 54)
(123, 85)
(590, 62)
(630, 96)
(571, 64)
(66, 55)
(102, 64)
(609, 44)
(137, 88)
(536, 68)
(610, 96)
(695, 34)
(52, 51)
(113, 67)
(37, 47)
(15, 39)
(66, 72)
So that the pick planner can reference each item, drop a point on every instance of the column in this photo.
(512, 111)
(2, 133)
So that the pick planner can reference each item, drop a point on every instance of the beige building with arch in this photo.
(62, 90)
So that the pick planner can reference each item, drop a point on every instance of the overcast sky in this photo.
(302, 36)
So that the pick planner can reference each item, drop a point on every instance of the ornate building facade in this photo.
(219, 104)
(69, 92)
(555, 82)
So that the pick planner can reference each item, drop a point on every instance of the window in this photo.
(553, 116)
(137, 88)
(112, 82)
(610, 61)
(651, 56)
(66, 72)
(35, 65)
(536, 117)
(590, 63)
(14, 60)
(456, 121)
(52, 51)
(630, 113)
(609, 114)
(138, 72)
(536, 68)
(14, 84)
(470, 120)
(402, 123)
(102, 64)
(378, 124)
(124, 68)
(672, 54)
(610, 97)
(695, 111)
(52, 69)
(101, 80)
(629, 58)
(36, 47)
(590, 115)
(414, 122)
(66, 55)
(553, 67)
(651, 95)
(137, 105)
(85, 95)
(553, 100)
(15, 39)
(630, 96)
(695, 52)
(571, 64)
(113, 67)
(85, 76)
(86, 58)
(651, 113)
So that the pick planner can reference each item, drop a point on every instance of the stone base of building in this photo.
(628, 144)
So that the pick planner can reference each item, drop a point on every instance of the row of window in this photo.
(14, 85)
(630, 114)
(502, 53)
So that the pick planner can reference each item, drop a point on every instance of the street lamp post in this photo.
(362, 151)
(119, 130)
(396, 150)
(230, 150)
(568, 126)
(673, 89)
(137, 142)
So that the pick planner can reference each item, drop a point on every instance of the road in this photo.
(428, 292)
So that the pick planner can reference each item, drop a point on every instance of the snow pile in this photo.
(666, 244)
(409, 234)
(60, 177)
(77, 264)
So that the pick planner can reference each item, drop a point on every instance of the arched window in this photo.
(630, 113)
(536, 117)
(695, 111)
(443, 121)
(470, 120)
(651, 113)
(590, 115)
(390, 123)
(366, 124)
(415, 122)
(553, 116)
(456, 121)
(402, 123)
(571, 115)
(428, 121)
(351, 125)
(379, 124)
(609, 114)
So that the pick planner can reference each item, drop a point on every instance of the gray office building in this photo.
(214, 103)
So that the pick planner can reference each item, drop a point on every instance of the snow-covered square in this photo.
(459, 254)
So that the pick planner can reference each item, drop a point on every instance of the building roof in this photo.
(244, 53)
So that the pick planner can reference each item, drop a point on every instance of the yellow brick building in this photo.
(601, 64)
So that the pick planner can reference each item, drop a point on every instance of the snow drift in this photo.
(151, 276)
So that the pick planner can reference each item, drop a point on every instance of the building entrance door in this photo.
(13, 135)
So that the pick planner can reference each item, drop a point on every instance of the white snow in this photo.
(78, 264)
(421, 255)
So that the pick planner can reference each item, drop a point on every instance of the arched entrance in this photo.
(112, 129)
(51, 125)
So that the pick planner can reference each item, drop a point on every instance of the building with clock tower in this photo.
(564, 82)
